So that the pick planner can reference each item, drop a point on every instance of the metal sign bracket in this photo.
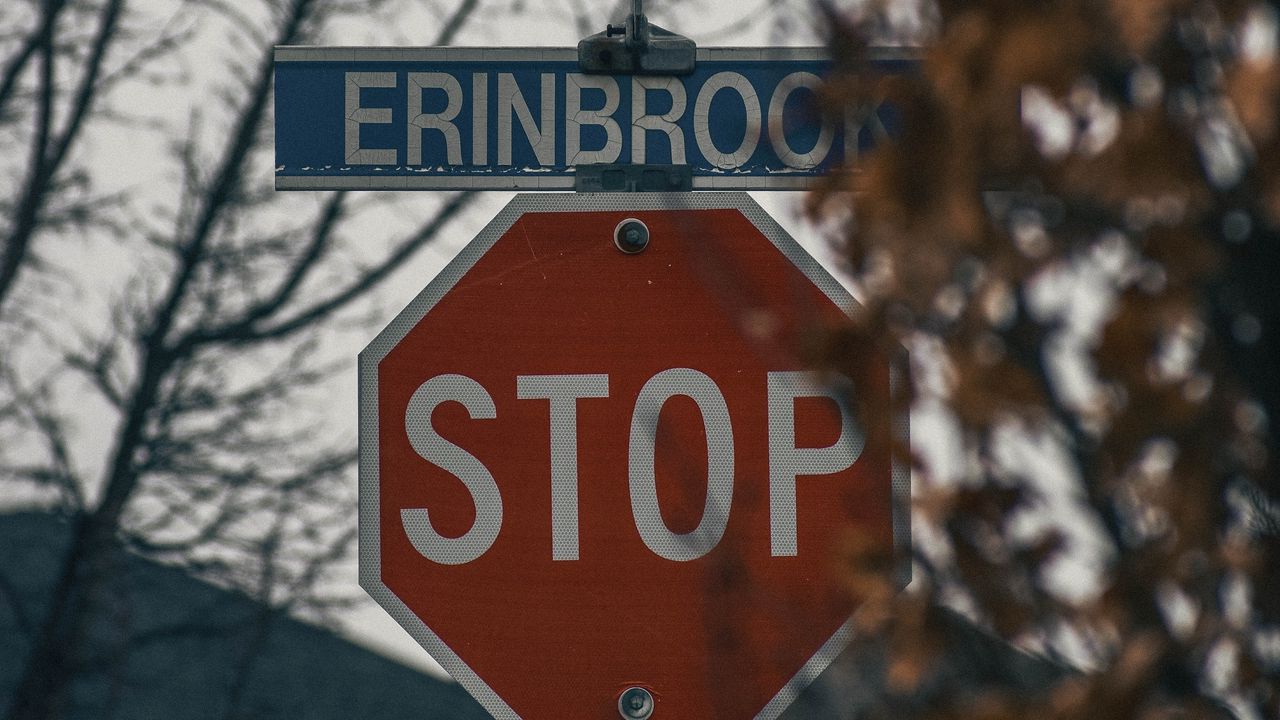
(624, 177)
(636, 48)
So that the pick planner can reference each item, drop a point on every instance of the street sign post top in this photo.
(637, 47)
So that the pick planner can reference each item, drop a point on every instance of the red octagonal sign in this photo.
(584, 470)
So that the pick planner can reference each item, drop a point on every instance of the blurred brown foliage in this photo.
(1058, 160)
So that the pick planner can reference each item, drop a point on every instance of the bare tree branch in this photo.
(15, 250)
(456, 21)
(34, 406)
(245, 332)
(200, 461)
(48, 154)
(40, 37)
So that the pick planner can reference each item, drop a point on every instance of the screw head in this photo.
(631, 236)
(635, 703)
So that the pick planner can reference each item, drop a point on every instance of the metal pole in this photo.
(637, 11)
(642, 49)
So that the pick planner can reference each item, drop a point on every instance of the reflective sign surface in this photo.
(584, 470)
(503, 118)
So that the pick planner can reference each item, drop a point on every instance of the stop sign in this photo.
(590, 464)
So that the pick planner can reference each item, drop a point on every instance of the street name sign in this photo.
(526, 118)
(596, 476)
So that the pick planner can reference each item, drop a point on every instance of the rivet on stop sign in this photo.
(631, 236)
(635, 703)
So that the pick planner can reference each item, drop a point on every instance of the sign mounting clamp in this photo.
(642, 49)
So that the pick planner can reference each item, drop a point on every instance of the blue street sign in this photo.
(523, 118)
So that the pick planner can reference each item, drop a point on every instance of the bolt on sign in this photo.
(525, 118)
(596, 477)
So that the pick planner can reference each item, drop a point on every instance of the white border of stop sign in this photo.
(390, 337)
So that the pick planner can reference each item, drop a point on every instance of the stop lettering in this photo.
(786, 461)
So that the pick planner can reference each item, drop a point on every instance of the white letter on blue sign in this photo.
(479, 118)
(453, 459)
(442, 121)
(642, 122)
(575, 117)
(357, 116)
(642, 478)
(541, 135)
(777, 130)
(563, 391)
(855, 120)
(786, 461)
(702, 120)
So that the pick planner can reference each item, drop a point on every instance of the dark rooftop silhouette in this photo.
(177, 648)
